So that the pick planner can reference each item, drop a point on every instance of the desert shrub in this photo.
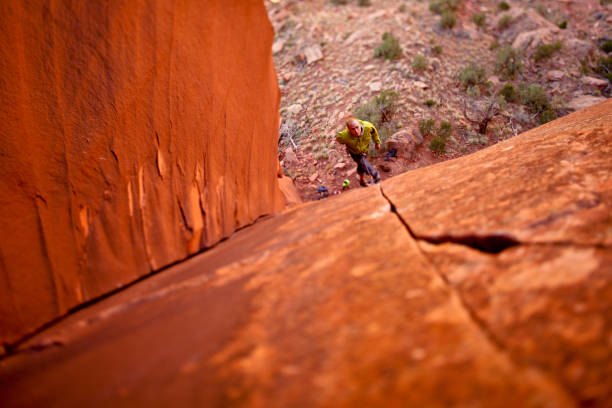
(402, 8)
(472, 75)
(509, 93)
(442, 133)
(438, 145)
(479, 19)
(606, 46)
(430, 103)
(426, 127)
(445, 129)
(338, 2)
(508, 62)
(419, 63)
(364, 3)
(494, 45)
(440, 6)
(380, 109)
(605, 2)
(473, 92)
(437, 49)
(504, 22)
(448, 19)
(562, 25)
(389, 48)
(503, 6)
(546, 50)
(534, 98)
(546, 116)
(604, 67)
(475, 138)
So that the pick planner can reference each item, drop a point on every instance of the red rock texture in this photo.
(133, 134)
(362, 300)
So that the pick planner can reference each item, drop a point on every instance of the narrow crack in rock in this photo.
(478, 322)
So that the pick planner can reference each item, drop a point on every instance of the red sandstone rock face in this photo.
(133, 135)
(349, 302)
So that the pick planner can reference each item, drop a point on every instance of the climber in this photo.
(356, 137)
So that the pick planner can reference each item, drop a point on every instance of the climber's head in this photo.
(354, 126)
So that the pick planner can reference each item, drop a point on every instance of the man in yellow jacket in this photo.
(356, 137)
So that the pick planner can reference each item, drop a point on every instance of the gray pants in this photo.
(363, 166)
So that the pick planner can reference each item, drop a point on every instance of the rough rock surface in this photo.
(126, 144)
(376, 297)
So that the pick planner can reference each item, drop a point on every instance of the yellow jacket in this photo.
(359, 144)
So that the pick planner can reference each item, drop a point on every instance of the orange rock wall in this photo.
(132, 135)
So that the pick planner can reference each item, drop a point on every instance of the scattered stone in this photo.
(578, 48)
(402, 142)
(294, 109)
(384, 167)
(523, 21)
(375, 86)
(584, 101)
(278, 46)
(353, 37)
(532, 39)
(300, 58)
(339, 165)
(597, 82)
(288, 76)
(313, 54)
(555, 75)
(290, 157)
(416, 137)
(420, 85)
(494, 80)
(380, 13)
(313, 176)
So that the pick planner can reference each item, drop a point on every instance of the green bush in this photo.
(419, 63)
(509, 93)
(508, 62)
(546, 50)
(503, 6)
(494, 45)
(437, 49)
(364, 3)
(430, 103)
(605, 2)
(534, 98)
(380, 109)
(440, 6)
(604, 67)
(437, 145)
(448, 19)
(547, 116)
(479, 19)
(389, 48)
(504, 22)
(562, 25)
(606, 46)
(472, 75)
(402, 8)
(339, 2)
(426, 127)
(445, 129)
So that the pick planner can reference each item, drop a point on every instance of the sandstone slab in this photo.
(547, 193)
(286, 313)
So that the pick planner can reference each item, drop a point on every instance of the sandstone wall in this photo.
(133, 134)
